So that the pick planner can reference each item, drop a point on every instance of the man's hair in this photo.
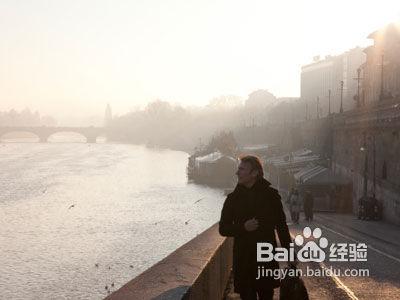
(254, 162)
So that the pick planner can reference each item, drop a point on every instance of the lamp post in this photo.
(381, 94)
(362, 202)
(374, 155)
(364, 149)
(341, 96)
(369, 207)
(358, 78)
(329, 102)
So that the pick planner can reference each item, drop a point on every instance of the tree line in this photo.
(25, 117)
(163, 124)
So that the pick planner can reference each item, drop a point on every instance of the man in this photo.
(309, 206)
(295, 206)
(289, 203)
(250, 214)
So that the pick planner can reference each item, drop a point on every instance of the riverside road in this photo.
(382, 262)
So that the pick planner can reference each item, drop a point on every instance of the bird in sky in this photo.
(198, 200)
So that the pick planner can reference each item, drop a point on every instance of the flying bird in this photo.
(186, 222)
(73, 205)
(198, 200)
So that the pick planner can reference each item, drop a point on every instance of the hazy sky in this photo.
(73, 56)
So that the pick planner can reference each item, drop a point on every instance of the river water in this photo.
(76, 217)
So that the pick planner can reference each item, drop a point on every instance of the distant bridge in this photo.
(44, 132)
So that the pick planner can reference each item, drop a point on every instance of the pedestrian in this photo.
(250, 214)
(294, 206)
(288, 202)
(308, 206)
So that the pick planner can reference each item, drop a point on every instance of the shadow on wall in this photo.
(173, 294)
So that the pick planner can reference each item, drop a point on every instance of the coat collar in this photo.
(260, 184)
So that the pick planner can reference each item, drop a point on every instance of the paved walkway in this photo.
(379, 230)
(383, 241)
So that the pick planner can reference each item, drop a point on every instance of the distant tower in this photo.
(107, 115)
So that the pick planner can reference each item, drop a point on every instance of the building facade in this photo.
(325, 82)
(366, 142)
(381, 71)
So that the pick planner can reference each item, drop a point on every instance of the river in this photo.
(76, 217)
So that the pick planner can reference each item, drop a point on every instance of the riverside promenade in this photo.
(201, 268)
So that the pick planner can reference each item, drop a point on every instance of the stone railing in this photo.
(199, 269)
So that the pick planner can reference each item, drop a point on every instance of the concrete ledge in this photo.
(199, 269)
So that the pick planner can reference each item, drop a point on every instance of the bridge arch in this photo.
(67, 136)
(44, 132)
(24, 135)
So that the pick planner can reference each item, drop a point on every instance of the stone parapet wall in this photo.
(199, 269)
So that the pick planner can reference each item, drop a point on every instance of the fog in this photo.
(69, 59)
(174, 126)
(121, 125)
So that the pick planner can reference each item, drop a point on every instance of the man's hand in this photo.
(251, 225)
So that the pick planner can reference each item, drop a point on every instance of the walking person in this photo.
(289, 204)
(309, 206)
(250, 214)
(295, 206)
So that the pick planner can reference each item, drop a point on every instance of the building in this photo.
(381, 70)
(322, 87)
(331, 192)
(214, 169)
(280, 169)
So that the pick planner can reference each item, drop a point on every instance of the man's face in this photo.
(246, 175)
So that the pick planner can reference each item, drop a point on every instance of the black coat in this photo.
(264, 203)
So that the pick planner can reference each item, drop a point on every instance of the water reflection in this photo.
(75, 217)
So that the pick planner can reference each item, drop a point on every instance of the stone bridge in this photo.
(43, 132)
